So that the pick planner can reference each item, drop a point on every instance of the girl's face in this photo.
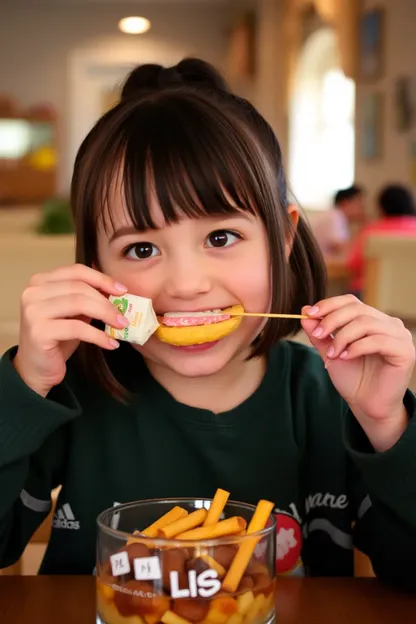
(197, 264)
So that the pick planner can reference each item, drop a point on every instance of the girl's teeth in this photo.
(196, 314)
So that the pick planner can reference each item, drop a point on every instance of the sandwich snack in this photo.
(182, 329)
(188, 578)
(179, 329)
(141, 316)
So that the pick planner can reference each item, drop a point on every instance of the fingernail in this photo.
(330, 352)
(121, 320)
(317, 332)
(120, 287)
(344, 355)
(313, 310)
(114, 343)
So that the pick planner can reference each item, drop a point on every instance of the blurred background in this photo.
(335, 78)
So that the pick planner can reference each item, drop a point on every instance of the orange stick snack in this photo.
(231, 526)
(218, 503)
(194, 519)
(171, 516)
(246, 549)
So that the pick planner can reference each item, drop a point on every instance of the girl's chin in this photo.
(195, 360)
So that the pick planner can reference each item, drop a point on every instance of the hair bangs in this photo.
(190, 168)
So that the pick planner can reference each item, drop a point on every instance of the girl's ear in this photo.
(293, 213)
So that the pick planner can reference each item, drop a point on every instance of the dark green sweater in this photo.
(293, 442)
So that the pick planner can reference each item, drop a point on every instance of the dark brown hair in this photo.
(181, 130)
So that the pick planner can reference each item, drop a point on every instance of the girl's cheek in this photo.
(128, 273)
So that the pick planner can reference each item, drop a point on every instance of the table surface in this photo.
(71, 600)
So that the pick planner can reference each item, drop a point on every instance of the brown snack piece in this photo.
(254, 567)
(259, 573)
(173, 560)
(142, 602)
(193, 610)
(137, 551)
(197, 564)
(225, 555)
(246, 584)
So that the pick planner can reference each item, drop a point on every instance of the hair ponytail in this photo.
(190, 72)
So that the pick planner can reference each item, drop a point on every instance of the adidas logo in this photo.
(65, 519)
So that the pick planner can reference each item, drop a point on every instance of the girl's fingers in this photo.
(394, 349)
(337, 319)
(359, 328)
(326, 306)
(71, 306)
(64, 330)
(50, 290)
(80, 272)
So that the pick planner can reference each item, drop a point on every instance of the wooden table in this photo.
(71, 600)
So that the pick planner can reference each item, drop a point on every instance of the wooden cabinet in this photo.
(28, 153)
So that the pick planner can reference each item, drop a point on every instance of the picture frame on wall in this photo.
(241, 54)
(405, 103)
(371, 48)
(372, 126)
(412, 162)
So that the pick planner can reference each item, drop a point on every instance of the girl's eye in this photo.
(222, 238)
(141, 251)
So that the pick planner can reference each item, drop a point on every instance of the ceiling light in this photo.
(134, 25)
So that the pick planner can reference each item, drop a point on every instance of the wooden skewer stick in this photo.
(270, 315)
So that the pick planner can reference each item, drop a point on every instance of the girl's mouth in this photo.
(184, 329)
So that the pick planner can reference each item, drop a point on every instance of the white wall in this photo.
(43, 45)
(400, 51)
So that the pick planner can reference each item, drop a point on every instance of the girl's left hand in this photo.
(370, 358)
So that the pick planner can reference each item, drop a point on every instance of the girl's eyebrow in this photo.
(124, 231)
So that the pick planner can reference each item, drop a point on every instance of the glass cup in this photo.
(151, 580)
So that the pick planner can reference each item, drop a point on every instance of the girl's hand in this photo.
(56, 311)
(370, 358)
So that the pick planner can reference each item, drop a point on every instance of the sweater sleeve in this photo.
(383, 486)
(32, 452)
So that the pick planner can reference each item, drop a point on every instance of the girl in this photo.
(179, 195)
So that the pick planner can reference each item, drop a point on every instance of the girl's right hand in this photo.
(56, 312)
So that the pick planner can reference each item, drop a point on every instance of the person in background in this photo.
(396, 207)
(333, 229)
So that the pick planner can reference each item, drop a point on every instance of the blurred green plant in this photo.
(56, 217)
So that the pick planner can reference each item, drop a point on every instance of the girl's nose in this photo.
(187, 279)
